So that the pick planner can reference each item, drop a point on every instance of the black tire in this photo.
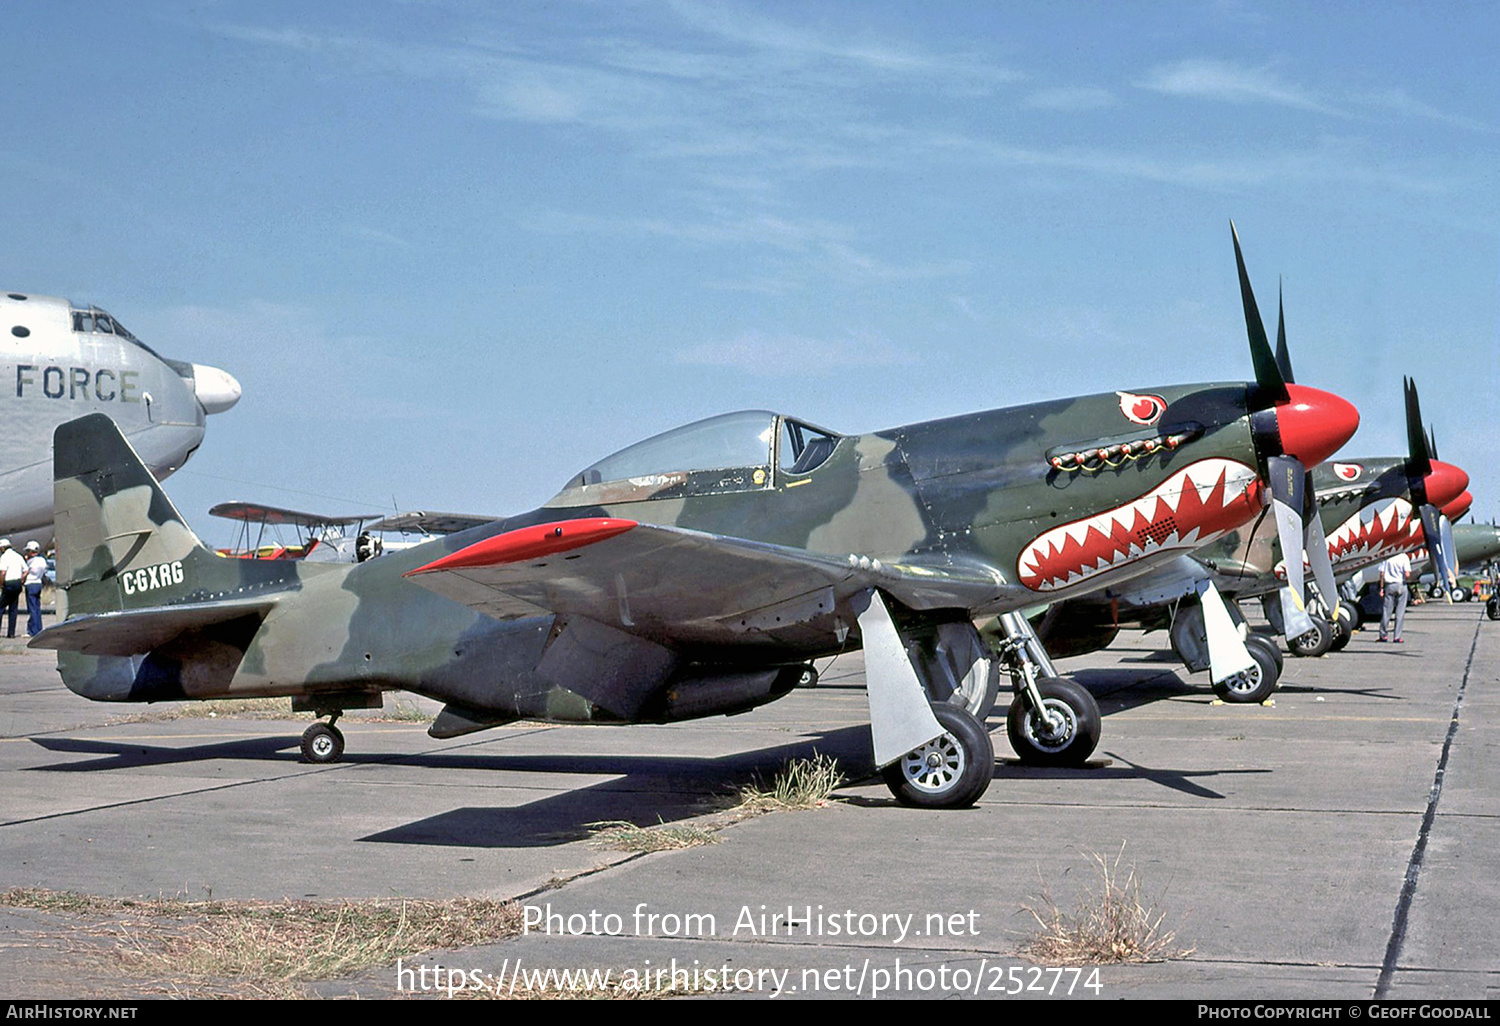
(1460, 594)
(1351, 612)
(1073, 740)
(1315, 642)
(1341, 633)
(1255, 684)
(1492, 609)
(809, 678)
(322, 743)
(1267, 642)
(951, 772)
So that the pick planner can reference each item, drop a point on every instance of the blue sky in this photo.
(456, 251)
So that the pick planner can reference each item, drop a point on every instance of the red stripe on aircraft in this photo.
(530, 543)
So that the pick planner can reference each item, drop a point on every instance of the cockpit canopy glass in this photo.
(728, 453)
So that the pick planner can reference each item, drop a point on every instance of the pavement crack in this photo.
(1419, 851)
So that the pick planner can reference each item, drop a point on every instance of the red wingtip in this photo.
(1459, 506)
(1314, 424)
(532, 542)
(1445, 482)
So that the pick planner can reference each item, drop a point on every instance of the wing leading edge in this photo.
(676, 585)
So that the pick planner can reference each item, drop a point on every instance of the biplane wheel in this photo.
(1315, 642)
(322, 743)
(1066, 736)
(809, 678)
(951, 772)
(1255, 684)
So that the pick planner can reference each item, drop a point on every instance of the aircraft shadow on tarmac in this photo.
(648, 790)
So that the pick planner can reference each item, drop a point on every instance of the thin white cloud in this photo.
(1233, 83)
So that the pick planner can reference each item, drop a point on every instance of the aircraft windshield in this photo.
(718, 443)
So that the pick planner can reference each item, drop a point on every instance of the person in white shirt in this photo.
(36, 576)
(1393, 574)
(12, 572)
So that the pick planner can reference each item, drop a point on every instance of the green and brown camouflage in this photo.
(951, 519)
(697, 572)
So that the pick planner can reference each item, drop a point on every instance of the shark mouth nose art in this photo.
(1187, 510)
(1383, 528)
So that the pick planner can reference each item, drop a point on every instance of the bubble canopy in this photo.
(720, 447)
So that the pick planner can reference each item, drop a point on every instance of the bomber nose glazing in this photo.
(1314, 424)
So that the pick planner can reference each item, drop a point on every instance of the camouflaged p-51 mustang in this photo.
(697, 573)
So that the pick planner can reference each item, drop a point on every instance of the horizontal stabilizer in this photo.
(137, 631)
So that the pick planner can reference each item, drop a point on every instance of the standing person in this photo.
(12, 572)
(36, 576)
(1393, 574)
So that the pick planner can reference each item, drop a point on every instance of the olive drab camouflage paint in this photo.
(696, 573)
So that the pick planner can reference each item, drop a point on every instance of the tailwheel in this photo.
(1255, 684)
(322, 742)
(1063, 732)
(951, 772)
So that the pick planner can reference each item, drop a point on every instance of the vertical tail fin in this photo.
(121, 544)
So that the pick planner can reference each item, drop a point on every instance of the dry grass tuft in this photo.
(1112, 923)
(803, 784)
(622, 835)
(271, 949)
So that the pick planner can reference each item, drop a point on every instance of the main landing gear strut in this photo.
(1053, 721)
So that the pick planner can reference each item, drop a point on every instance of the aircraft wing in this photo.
(255, 513)
(422, 522)
(137, 631)
(675, 584)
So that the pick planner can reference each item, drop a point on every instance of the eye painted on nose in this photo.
(1142, 408)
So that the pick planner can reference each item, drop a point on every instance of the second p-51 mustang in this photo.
(695, 573)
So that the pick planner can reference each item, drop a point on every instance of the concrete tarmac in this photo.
(1341, 844)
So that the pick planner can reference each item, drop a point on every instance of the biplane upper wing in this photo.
(276, 516)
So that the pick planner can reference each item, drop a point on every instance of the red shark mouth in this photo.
(1187, 510)
(1375, 532)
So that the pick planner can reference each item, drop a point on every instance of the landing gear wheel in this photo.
(809, 678)
(322, 742)
(979, 691)
(950, 772)
(1341, 634)
(1492, 609)
(1460, 594)
(1351, 612)
(1269, 646)
(1255, 684)
(1315, 642)
(1065, 735)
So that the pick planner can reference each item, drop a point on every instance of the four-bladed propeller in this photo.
(1433, 484)
(1308, 426)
